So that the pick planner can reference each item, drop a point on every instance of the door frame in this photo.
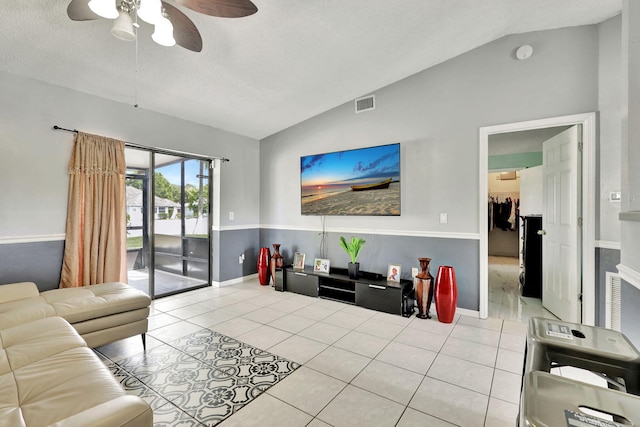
(589, 139)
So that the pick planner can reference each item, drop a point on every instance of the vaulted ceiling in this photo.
(290, 61)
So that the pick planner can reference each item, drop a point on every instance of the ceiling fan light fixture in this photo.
(123, 27)
(163, 34)
(104, 8)
(150, 11)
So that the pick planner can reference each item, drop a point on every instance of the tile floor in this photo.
(505, 299)
(358, 367)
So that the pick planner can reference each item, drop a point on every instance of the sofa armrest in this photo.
(125, 411)
(17, 291)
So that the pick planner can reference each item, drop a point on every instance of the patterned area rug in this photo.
(200, 379)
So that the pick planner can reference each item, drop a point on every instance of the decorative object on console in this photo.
(321, 265)
(263, 266)
(298, 260)
(446, 293)
(423, 285)
(393, 272)
(276, 261)
(353, 249)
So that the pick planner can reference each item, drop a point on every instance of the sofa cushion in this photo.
(48, 376)
(38, 340)
(92, 302)
(16, 291)
(22, 311)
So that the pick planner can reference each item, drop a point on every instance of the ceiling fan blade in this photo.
(78, 10)
(184, 30)
(221, 8)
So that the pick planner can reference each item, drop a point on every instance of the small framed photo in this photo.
(298, 260)
(393, 272)
(321, 265)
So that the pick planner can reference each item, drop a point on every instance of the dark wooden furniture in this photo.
(369, 290)
(531, 279)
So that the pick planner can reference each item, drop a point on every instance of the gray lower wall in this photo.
(630, 314)
(606, 261)
(381, 250)
(38, 262)
(228, 246)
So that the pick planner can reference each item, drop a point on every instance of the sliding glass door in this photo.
(181, 230)
(168, 222)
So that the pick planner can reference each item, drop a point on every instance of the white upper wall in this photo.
(34, 158)
(610, 87)
(436, 115)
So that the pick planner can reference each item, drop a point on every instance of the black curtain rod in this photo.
(154, 149)
(56, 127)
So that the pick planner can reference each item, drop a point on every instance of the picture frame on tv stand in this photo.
(360, 182)
(298, 261)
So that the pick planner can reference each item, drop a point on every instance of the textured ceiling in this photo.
(290, 61)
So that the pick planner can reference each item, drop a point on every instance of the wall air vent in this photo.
(365, 104)
(613, 301)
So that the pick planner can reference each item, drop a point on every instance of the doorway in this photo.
(168, 222)
(588, 133)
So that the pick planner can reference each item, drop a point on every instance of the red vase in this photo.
(446, 293)
(264, 256)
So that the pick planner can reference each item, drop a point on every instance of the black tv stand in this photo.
(369, 290)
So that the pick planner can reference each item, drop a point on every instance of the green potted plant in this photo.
(353, 249)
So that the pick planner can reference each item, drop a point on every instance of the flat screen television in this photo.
(362, 181)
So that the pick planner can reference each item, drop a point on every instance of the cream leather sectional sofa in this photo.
(49, 376)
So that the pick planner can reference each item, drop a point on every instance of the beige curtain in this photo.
(95, 245)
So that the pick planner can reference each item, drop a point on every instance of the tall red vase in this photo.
(446, 294)
(264, 256)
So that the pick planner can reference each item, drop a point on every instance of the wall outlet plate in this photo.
(414, 271)
(444, 218)
(615, 196)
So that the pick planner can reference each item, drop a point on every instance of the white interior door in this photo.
(561, 278)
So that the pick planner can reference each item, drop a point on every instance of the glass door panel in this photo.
(181, 232)
(137, 190)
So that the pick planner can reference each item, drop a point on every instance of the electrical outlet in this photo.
(443, 218)
(414, 271)
(615, 196)
(232, 216)
(241, 259)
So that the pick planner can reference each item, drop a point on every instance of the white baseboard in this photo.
(234, 281)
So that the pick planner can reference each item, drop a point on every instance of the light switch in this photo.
(615, 196)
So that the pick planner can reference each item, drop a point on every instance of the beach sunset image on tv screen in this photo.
(363, 181)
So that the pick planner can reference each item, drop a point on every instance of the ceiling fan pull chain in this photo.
(135, 77)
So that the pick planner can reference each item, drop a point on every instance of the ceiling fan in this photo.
(185, 33)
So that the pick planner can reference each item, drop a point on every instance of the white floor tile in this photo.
(510, 361)
(472, 376)
(364, 344)
(501, 413)
(298, 349)
(451, 403)
(471, 351)
(267, 411)
(263, 337)
(388, 381)
(506, 386)
(341, 364)
(307, 390)
(357, 407)
(407, 356)
(479, 335)
(413, 418)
